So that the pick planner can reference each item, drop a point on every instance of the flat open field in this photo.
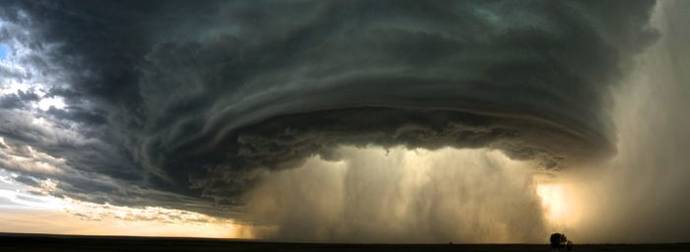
(37, 242)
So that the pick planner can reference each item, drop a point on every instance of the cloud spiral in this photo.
(186, 104)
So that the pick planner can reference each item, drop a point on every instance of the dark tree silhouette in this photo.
(559, 241)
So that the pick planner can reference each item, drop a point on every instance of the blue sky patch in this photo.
(4, 51)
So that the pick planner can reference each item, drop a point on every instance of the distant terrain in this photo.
(10, 242)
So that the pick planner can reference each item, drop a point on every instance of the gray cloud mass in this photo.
(184, 103)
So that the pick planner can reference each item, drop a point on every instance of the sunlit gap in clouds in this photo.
(25, 79)
(35, 210)
(412, 195)
(560, 205)
(29, 198)
(553, 199)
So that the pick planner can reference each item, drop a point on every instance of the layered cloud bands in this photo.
(195, 99)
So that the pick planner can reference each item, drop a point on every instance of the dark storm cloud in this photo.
(18, 100)
(191, 98)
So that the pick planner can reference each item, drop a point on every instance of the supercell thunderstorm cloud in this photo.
(320, 120)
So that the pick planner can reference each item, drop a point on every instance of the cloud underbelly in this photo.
(266, 141)
(285, 122)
